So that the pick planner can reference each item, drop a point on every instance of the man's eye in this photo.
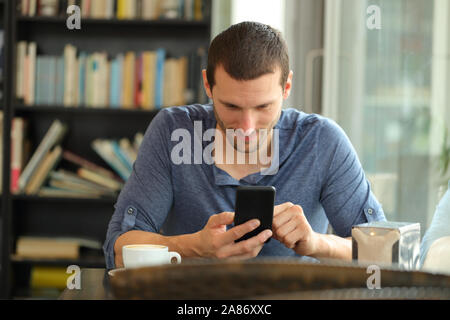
(263, 107)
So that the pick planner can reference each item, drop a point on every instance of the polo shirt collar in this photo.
(222, 178)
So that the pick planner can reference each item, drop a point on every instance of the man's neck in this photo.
(243, 162)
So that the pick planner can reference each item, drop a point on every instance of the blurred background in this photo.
(75, 103)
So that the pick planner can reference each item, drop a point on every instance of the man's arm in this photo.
(213, 241)
(333, 247)
(291, 228)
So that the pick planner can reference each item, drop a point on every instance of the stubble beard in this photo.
(263, 136)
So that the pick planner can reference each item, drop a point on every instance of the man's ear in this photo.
(206, 84)
(288, 85)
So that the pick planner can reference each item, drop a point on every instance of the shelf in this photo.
(118, 22)
(84, 110)
(85, 262)
(108, 201)
(77, 217)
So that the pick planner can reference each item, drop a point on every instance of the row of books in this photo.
(148, 80)
(189, 10)
(48, 281)
(39, 247)
(41, 175)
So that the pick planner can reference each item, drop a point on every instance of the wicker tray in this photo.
(274, 279)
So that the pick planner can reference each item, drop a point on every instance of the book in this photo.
(47, 248)
(30, 74)
(169, 87)
(48, 7)
(73, 186)
(32, 8)
(138, 138)
(20, 68)
(24, 7)
(159, 82)
(55, 133)
(128, 149)
(48, 277)
(35, 247)
(122, 11)
(99, 179)
(59, 81)
(85, 8)
(17, 151)
(82, 66)
(70, 68)
(84, 163)
(128, 85)
(150, 9)
(121, 155)
(53, 192)
(105, 150)
(138, 81)
(72, 181)
(115, 85)
(48, 164)
(148, 80)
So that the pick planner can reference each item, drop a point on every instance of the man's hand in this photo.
(215, 241)
(291, 228)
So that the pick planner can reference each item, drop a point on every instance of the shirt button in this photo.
(369, 211)
(130, 211)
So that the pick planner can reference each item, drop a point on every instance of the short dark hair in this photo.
(248, 50)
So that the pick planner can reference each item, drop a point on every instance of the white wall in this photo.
(270, 12)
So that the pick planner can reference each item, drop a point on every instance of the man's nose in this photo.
(247, 123)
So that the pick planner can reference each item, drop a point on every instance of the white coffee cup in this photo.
(142, 255)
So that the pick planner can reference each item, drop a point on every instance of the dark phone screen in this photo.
(254, 202)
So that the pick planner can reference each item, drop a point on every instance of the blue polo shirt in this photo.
(439, 227)
(317, 168)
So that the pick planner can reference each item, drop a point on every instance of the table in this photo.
(312, 281)
(94, 286)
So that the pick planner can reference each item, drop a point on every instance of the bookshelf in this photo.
(5, 14)
(31, 215)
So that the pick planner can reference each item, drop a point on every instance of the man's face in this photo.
(250, 106)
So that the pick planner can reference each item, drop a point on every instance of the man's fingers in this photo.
(239, 231)
(220, 219)
(287, 228)
(292, 212)
(248, 248)
(282, 207)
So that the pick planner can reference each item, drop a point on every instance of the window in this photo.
(389, 88)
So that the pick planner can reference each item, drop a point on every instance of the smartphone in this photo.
(254, 202)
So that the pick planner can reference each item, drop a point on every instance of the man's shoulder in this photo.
(188, 114)
(298, 120)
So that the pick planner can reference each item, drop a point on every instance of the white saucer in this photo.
(113, 271)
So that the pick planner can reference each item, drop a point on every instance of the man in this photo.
(188, 205)
(435, 249)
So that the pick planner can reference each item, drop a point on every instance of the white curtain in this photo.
(389, 88)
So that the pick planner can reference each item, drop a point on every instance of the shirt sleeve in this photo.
(440, 226)
(146, 199)
(346, 195)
